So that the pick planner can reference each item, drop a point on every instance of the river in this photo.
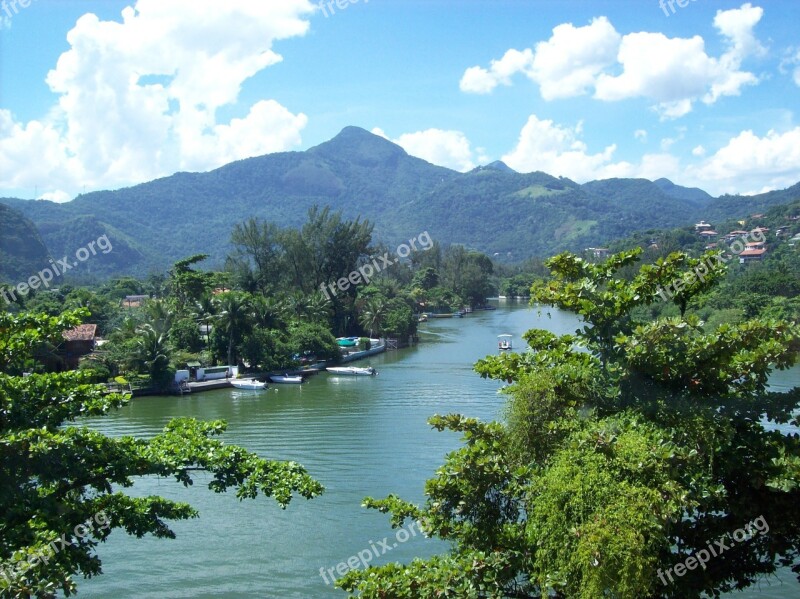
(358, 436)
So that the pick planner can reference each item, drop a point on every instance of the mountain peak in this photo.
(499, 165)
(677, 191)
(359, 145)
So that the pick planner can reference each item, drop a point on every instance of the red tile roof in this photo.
(748, 253)
(84, 332)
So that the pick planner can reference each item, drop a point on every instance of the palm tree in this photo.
(269, 312)
(153, 352)
(317, 309)
(159, 314)
(205, 309)
(372, 314)
(234, 317)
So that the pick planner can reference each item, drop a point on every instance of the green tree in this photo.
(153, 353)
(372, 314)
(314, 339)
(628, 448)
(62, 490)
(187, 285)
(233, 318)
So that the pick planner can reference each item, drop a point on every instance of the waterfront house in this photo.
(78, 342)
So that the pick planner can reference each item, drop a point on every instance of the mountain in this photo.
(683, 193)
(497, 165)
(492, 209)
(22, 252)
(736, 206)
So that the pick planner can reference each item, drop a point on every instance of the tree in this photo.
(258, 253)
(233, 318)
(188, 285)
(629, 448)
(313, 339)
(62, 490)
(372, 314)
(153, 353)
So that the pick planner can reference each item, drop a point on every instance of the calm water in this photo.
(358, 436)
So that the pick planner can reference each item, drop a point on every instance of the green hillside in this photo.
(22, 252)
(492, 209)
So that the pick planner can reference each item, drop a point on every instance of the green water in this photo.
(358, 436)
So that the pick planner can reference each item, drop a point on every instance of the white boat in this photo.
(352, 371)
(249, 384)
(504, 342)
(286, 379)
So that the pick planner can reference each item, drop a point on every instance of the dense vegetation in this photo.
(62, 482)
(277, 304)
(493, 209)
(22, 252)
(628, 450)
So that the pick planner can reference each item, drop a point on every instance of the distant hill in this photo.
(736, 206)
(22, 252)
(683, 193)
(492, 209)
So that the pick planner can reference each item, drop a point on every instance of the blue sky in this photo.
(104, 94)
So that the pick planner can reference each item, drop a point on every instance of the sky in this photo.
(103, 94)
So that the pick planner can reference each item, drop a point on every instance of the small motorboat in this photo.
(287, 379)
(504, 342)
(249, 384)
(352, 371)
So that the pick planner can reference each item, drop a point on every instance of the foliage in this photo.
(58, 477)
(628, 447)
(313, 339)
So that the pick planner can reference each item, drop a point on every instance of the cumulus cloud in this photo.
(450, 149)
(557, 150)
(141, 98)
(762, 163)
(565, 65)
(672, 72)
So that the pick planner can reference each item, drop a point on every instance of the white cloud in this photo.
(791, 63)
(478, 80)
(58, 197)
(672, 72)
(737, 25)
(749, 163)
(640, 134)
(557, 150)
(450, 149)
(140, 98)
(565, 65)
(698, 151)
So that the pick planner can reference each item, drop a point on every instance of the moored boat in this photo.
(352, 370)
(286, 379)
(248, 384)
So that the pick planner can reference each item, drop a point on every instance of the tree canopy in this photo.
(628, 449)
(63, 483)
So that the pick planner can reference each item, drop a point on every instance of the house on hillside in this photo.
(134, 301)
(735, 234)
(599, 252)
(752, 254)
(702, 226)
(78, 342)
